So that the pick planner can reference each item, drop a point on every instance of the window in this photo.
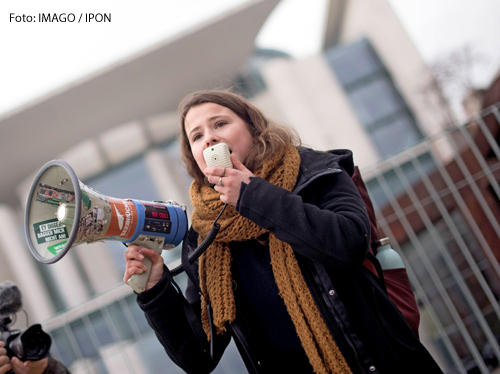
(374, 97)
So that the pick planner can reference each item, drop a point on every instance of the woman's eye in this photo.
(196, 137)
(219, 124)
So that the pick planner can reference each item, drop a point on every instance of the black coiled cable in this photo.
(203, 246)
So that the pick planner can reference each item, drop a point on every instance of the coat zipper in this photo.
(340, 324)
(317, 280)
(245, 347)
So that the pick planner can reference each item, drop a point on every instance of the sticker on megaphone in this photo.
(62, 212)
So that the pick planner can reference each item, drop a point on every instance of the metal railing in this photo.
(110, 335)
(439, 202)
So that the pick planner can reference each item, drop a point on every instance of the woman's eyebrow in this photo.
(193, 130)
(217, 116)
(211, 119)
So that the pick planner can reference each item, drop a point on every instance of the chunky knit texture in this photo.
(215, 266)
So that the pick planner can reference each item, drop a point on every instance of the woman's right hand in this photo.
(133, 264)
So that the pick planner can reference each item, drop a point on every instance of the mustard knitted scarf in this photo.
(215, 266)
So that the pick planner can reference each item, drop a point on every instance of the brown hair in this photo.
(268, 136)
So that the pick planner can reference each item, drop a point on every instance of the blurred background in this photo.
(412, 87)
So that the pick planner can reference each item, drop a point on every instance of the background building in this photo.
(368, 91)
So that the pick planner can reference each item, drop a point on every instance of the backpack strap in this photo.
(374, 234)
(380, 272)
(363, 192)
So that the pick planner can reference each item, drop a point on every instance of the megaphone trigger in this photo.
(62, 213)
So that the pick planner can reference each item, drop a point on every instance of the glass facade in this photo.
(250, 82)
(374, 97)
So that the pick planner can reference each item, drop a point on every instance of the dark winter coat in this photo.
(325, 222)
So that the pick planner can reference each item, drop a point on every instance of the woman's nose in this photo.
(211, 140)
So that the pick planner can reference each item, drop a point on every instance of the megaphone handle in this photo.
(138, 281)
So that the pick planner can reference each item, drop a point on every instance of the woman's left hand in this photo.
(228, 181)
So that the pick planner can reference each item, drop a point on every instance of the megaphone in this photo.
(62, 213)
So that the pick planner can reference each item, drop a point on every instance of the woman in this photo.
(284, 276)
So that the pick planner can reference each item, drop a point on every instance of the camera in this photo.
(33, 344)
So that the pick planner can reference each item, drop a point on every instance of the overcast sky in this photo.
(38, 58)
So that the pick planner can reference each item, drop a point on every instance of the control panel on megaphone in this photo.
(62, 213)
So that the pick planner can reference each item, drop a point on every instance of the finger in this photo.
(131, 271)
(133, 248)
(223, 198)
(134, 255)
(135, 264)
(17, 364)
(214, 179)
(219, 171)
(216, 171)
(237, 164)
(2, 344)
(219, 190)
(209, 171)
(139, 253)
(21, 367)
(155, 257)
(151, 253)
(5, 368)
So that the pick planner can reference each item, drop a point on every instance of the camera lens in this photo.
(33, 344)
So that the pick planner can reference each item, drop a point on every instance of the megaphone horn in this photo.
(62, 213)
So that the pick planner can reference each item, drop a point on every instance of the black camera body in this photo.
(33, 344)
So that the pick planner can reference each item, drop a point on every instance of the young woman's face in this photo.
(208, 124)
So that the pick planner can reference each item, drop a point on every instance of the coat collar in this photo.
(315, 164)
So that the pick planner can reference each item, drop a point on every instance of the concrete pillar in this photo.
(21, 264)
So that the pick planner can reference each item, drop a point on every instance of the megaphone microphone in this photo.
(62, 212)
